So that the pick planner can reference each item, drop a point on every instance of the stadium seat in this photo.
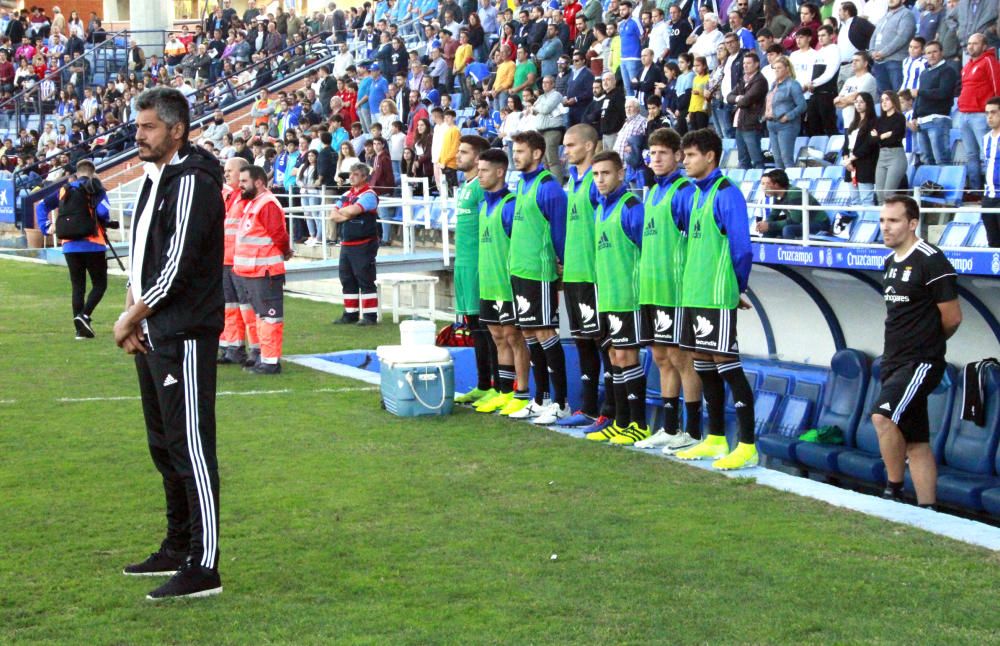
(841, 404)
(804, 184)
(824, 189)
(917, 176)
(866, 228)
(730, 159)
(813, 172)
(952, 178)
(862, 459)
(958, 230)
(748, 189)
(819, 142)
(794, 173)
(833, 172)
(969, 452)
(753, 174)
(842, 196)
(765, 409)
(977, 237)
(728, 144)
(793, 418)
(735, 175)
(835, 144)
(800, 143)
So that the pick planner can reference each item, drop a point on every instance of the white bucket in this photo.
(417, 333)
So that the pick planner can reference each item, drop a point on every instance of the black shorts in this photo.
(622, 328)
(536, 303)
(660, 325)
(903, 397)
(581, 306)
(496, 312)
(709, 330)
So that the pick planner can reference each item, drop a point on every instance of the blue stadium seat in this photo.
(735, 175)
(920, 174)
(952, 178)
(958, 230)
(728, 144)
(825, 189)
(866, 228)
(835, 144)
(833, 172)
(842, 403)
(977, 237)
(765, 409)
(862, 459)
(842, 197)
(794, 416)
(819, 142)
(730, 159)
(800, 143)
(969, 453)
(753, 174)
(794, 173)
(748, 189)
(813, 172)
(804, 184)
(765, 143)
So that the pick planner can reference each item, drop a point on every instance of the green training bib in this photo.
(709, 279)
(616, 262)
(661, 266)
(532, 255)
(578, 259)
(494, 252)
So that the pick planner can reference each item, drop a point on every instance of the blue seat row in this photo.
(969, 463)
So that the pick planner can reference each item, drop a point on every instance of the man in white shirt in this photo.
(913, 64)
(862, 81)
(89, 105)
(659, 35)
(342, 61)
(821, 116)
(803, 60)
(708, 42)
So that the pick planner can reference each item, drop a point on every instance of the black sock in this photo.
(634, 381)
(590, 374)
(539, 369)
(494, 361)
(715, 396)
(608, 408)
(671, 414)
(894, 489)
(692, 419)
(732, 373)
(481, 345)
(555, 358)
(621, 398)
(507, 377)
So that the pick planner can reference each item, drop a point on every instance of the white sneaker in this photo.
(659, 439)
(677, 442)
(552, 414)
(531, 411)
(311, 242)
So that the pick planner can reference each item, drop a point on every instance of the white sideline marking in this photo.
(224, 393)
(339, 369)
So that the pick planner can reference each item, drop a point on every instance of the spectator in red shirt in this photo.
(6, 73)
(570, 9)
(980, 82)
(383, 182)
(349, 96)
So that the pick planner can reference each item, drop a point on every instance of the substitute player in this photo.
(537, 240)
(619, 220)
(241, 324)
(922, 313)
(496, 305)
(579, 281)
(470, 199)
(716, 271)
(262, 247)
(661, 268)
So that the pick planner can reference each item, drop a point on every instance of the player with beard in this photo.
(537, 240)
(661, 269)
(618, 230)
(579, 282)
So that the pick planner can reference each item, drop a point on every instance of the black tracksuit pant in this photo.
(177, 382)
(80, 264)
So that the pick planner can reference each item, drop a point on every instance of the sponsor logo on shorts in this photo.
(663, 321)
(703, 327)
(615, 323)
(498, 306)
(586, 312)
(886, 406)
(523, 305)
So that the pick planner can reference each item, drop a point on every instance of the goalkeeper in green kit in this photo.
(470, 198)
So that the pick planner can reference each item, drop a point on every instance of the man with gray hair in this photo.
(707, 44)
(171, 324)
(357, 216)
(551, 123)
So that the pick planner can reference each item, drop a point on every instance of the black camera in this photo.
(112, 224)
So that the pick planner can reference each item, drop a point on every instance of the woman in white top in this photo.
(387, 114)
(308, 182)
(76, 26)
(344, 163)
(511, 124)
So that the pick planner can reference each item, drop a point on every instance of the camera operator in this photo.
(83, 215)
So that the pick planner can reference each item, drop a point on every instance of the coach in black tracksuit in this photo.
(172, 323)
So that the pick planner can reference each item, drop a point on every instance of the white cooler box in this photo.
(417, 380)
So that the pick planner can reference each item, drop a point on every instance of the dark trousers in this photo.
(991, 221)
(821, 115)
(357, 277)
(177, 381)
(80, 265)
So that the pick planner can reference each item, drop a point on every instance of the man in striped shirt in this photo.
(991, 165)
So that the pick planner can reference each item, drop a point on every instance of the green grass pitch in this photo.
(342, 524)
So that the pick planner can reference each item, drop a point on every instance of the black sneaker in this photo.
(345, 320)
(191, 581)
(83, 328)
(367, 321)
(158, 564)
(231, 357)
(266, 369)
